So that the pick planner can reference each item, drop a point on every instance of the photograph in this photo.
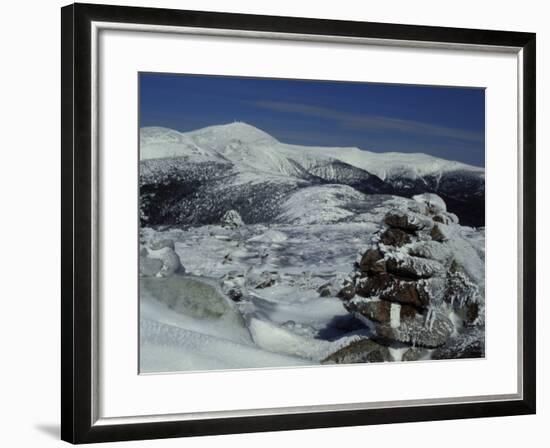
(291, 223)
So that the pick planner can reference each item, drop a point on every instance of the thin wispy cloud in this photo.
(371, 122)
(444, 122)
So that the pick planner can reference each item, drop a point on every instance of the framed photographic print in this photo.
(275, 223)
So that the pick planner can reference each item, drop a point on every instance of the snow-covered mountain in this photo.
(246, 147)
(191, 178)
(249, 146)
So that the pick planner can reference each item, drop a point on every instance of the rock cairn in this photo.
(418, 286)
(231, 219)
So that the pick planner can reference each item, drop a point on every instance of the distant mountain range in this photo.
(193, 178)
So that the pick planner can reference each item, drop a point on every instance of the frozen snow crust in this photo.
(390, 282)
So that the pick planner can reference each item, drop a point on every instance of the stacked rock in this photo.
(231, 219)
(417, 285)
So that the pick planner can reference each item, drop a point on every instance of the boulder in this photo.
(359, 351)
(162, 262)
(198, 298)
(325, 290)
(391, 288)
(395, 237)
(430, 249)
(170, 261)
(232, 285)
(149, 267)
(380, 311)
(412, 267)
(348, 290)
(192, 296)
(407, 221)
(463, 295)
(440, 232)
(372, 261)
(235, 294)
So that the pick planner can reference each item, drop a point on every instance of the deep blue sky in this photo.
(446, 122)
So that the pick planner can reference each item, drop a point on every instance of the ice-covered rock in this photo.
(363, 350)
(441, 232)
(431, 330)
(160, 259)
(391, 288)
(326, 290)
(162, 243)
(231, 219)
(233, 285)
(395, 237)
(372, 261)
(412, 267)
(170, 261)
(433, 202)
(347, 290)
(408, 221)
(340, 286)
(196, 298)
(464, 296)
(261, 280)
(149, 267)
(468, 344)
(430, 249)
(381, 311)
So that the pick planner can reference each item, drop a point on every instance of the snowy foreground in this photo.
(284, 324)
(256, 253)
(259, 296)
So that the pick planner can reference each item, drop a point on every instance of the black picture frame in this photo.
(77, 425)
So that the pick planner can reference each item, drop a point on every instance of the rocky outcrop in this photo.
(419, 284)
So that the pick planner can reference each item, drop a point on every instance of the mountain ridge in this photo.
(380, 164)
(242, 161)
